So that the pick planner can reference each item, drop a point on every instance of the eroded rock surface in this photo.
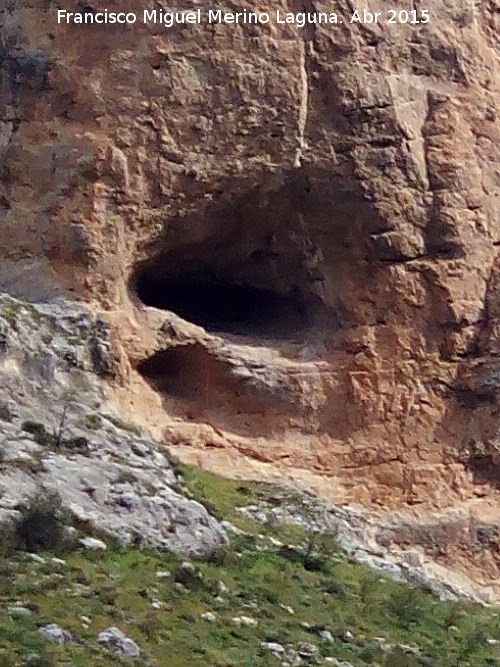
(291, 236)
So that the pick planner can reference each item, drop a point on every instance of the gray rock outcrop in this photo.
(60, 434)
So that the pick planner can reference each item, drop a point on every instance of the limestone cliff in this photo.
(293, 238)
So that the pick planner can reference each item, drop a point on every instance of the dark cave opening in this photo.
(196, 385)
(226, 306)
(181, 372)
(275, 261)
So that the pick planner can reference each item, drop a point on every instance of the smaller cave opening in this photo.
(229, 307)
(185, 372)
(197, 386)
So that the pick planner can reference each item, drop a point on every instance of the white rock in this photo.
(326, 636)
(209, 617)
(252, 605)
(287, 608)
(115, 639)
(18, 611)
(93, 544)
(180, 587)
(410, 650)
(162, 574)
(20, 457)
(36, 558)
(86, 620)
(273, 647)
(55, 633)
(222, 589)
(413, 558)
(493, 642)
(220, 600)
(58, 561)
(229, 528)
(244, 621)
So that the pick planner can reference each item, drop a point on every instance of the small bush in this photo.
(42, 523)
(107, 594)
(30, 69)
(55, 441)
(223, 556)
(39, 433)
(339, 589)
(291, 553)
(151, 625)
(78, 445)
(93, 422)
(453, 616)
(312, 560)
(406, 605)
(371, 655)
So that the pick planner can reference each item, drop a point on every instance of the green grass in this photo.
(117, 588)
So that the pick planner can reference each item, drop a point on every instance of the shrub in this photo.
(42, 523)
(151, 625)
(92, 422)
(291, 553)
(453, 616)
(371, 654)
(406, 605)
(39, 433)
(339, 589)
(223, 556)
(55, 440)
(78, 445)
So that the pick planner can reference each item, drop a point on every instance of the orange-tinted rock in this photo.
(294, 235)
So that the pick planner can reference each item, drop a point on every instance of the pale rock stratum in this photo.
(293, 238)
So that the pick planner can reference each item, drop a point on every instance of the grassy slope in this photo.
(117, 588)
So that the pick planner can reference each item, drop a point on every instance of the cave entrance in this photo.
(194, 382)
(276, 261)
(226, 306)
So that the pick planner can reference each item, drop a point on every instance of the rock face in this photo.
(290, 238)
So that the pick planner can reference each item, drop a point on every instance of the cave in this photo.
(228, 307)
(194, 382)
(275, 262)
(274, 271)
